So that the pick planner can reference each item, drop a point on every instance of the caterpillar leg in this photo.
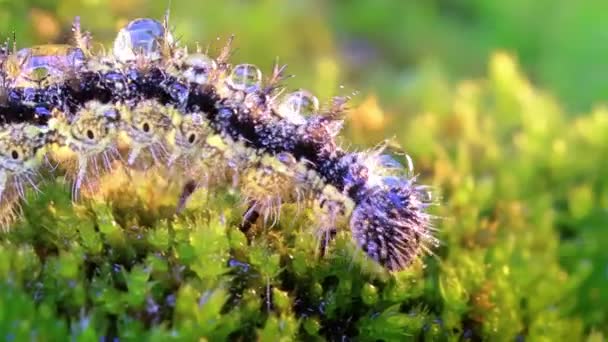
(249, 218)
(325, 239)
(6, 203)
(3, 182)
(329, 209)
(195, 153)
(187, 191)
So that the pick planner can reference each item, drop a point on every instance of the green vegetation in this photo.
(521, 182)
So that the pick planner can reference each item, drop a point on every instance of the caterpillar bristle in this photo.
(150, 105)
(10, 211)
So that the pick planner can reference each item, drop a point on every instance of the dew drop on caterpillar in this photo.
(142, 38)
(43, 64)
(206, 123)
(296, 106)
(198, 67)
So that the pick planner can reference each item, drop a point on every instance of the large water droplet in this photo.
(295, 106)
(141, 37)
(388, 162)
(44, 61)
(245, 77)
(395, 182)
(198, 68)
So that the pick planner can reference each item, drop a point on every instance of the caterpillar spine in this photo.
(149, 103)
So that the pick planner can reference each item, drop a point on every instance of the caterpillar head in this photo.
(390, 222)
(147, 126)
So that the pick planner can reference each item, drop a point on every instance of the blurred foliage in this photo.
(379, 44)
(523, 196)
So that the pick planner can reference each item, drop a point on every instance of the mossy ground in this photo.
(522, 199)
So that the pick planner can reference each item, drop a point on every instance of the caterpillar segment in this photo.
(188, 140)
(148, 102)
(86, 143)
(267, 183)
(22, 148)
(146, 126)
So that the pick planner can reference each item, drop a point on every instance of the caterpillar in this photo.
(149, 102)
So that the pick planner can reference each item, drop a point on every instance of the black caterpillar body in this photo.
(213, 121)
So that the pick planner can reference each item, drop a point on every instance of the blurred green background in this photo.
(378, 44)
(500, 104)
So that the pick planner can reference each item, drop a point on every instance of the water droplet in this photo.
(286, 158)
(388, 162)
(394, 182)
(410, 163)
(425, 195)
(141, 37)
(112, 114)
(428, 196)
(42, 111)
(198, 68)
(225, 113)
(44, 61)
(245, 77)
(295, 106)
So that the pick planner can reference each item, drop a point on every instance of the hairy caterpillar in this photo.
(152, 103)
